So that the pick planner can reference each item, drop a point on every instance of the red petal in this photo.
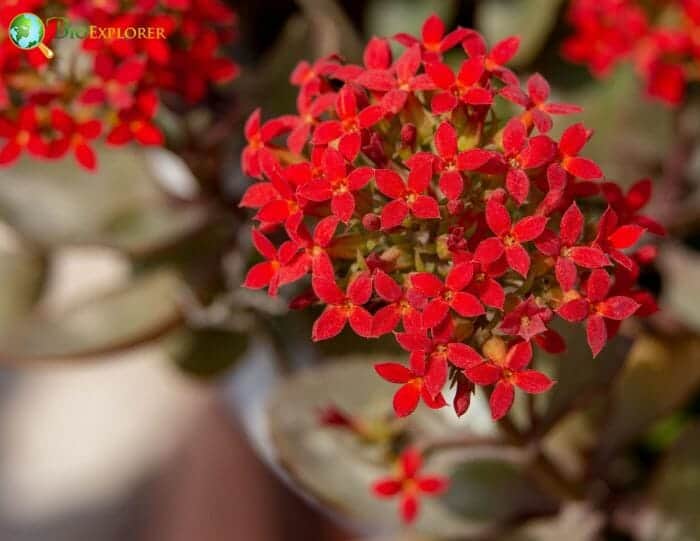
(86, 157)
(361, 322)
(435, 375)
(446, 140)
(259, 275)
(501, 399)
(406, 399)
(409, 508)
(377, 54)
(433, 484)
(425, 207)
(588, 257)
(441, 74)
(598, 285)
(433, 29)
(467, 305)
(497, 217)
(459, 276)
(426, 283)
(360, 289)
(386, 488)
(435, 312)
(533, 382)
(618, 308)
(626, 236)
(393, 372)
(385, 320)
(583, 168)
(514, 136)
(327, 290)
(596, 334)
(369, 116)
(472, 160)
(573, 139)
(529, 228)
(575, 310)
(538, 89)
(463, 356)
(504, 50)
(451, 184)
(393, 214)
(518, 259)
(571, 225)
(443, 102)
(377, 79)
(328, 324)
(489, 250)
(519, 356)
(483, 374)
(389, 183)
(343, 206)
(565, 272)
(326, 132)
(518, 185)
(386, 287)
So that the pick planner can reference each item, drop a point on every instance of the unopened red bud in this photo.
(408, 134)
(455, 207)
(304, 300)
(371, 222)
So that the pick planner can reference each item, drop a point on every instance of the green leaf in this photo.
(660, 375)
(676, 489)
(22, 275)
(208, 353)
(121, 206)
(143, 311)
(532, 20)
(496, 491)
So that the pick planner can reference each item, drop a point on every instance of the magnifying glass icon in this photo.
(27, 31)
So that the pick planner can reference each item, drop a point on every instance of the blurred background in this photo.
(133, 370)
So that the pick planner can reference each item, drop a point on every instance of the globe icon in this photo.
(27, 31)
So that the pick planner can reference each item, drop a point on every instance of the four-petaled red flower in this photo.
(508, 370)
(342, 307)
(407, 197)
(409, 484)
(596, 307)
(567, 252)
(510, 238)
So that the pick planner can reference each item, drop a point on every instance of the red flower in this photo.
(465, 87)
(451, 182)
(433, 41)
(337, 184)
(116, 84)
(613, 238)
(23, 134)
(75, 136)
(627, 205)
(273, 272)
(566, 251)
(450, 295)
(400, 307)
(342, 307)
(572, 141)
(596, 307)
(527, 320)
(495, 61)
(136, 123)
(413, 383)
(409, 484)
(510, 238)
(349, 125)
(406, 198)
(399, 81)
(507, 370)
(310, 109)
(538, 111)
(258, 138)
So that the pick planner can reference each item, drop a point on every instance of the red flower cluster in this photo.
(666, 54)
(418, 211)
(50, 112)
